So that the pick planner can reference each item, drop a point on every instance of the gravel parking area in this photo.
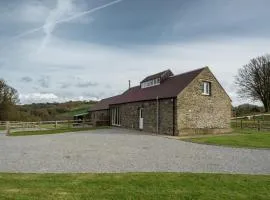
(121, 150)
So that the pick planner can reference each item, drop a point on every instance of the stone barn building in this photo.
(190, 103)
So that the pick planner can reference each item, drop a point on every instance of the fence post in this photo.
(7, 128)
(241, 124)
(55, 124)
(259, 125)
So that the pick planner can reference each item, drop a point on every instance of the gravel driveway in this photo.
(121, 150)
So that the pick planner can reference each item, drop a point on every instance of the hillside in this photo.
(53, 111)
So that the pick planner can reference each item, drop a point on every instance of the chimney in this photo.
(128, 84)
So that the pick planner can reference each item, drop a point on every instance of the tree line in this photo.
(10, 110)
(8, 100)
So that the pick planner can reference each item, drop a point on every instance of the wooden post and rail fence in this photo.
(9, 126)
(259, 125)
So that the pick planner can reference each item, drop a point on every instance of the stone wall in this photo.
(198, 113)
(97, 117)
(129, 113)
(168, 117)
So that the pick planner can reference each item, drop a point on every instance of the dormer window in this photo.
(156, 79)
(150, 83)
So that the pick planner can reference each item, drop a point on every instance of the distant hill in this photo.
(52, 111)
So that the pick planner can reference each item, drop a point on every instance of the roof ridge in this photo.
(111, 97)
(156, 74)
(159, 72)
(187, 72)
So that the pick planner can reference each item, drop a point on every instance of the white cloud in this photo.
(63, 9)
(30, 12)
(38, 97)
(67, 61)
(227, 15)
(50, 98)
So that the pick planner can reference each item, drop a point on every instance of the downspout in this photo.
(173, 116)
(110, 116)
(157, 116)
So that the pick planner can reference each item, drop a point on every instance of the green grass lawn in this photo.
(52, 126)
(134, 186)
(239, 138)
(52, 131)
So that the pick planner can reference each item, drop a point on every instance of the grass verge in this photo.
(134, 186)
(245, 138)
(53, 131)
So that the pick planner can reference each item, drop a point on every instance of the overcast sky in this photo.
(58, 50)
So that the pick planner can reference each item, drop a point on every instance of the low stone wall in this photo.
(205, 131)
(102, 123)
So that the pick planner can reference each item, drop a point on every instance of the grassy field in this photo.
(74, 111)
(53, 131)
(239, 138)
(134, 186)
(53, 111)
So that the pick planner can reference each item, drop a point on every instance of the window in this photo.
(115, 116)
(150, 83)
(206, 88)
(143, 85)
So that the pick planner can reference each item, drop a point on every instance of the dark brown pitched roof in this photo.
(158, 75)
(168, 89)
(104, 103)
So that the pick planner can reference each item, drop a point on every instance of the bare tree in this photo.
(254, 80)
